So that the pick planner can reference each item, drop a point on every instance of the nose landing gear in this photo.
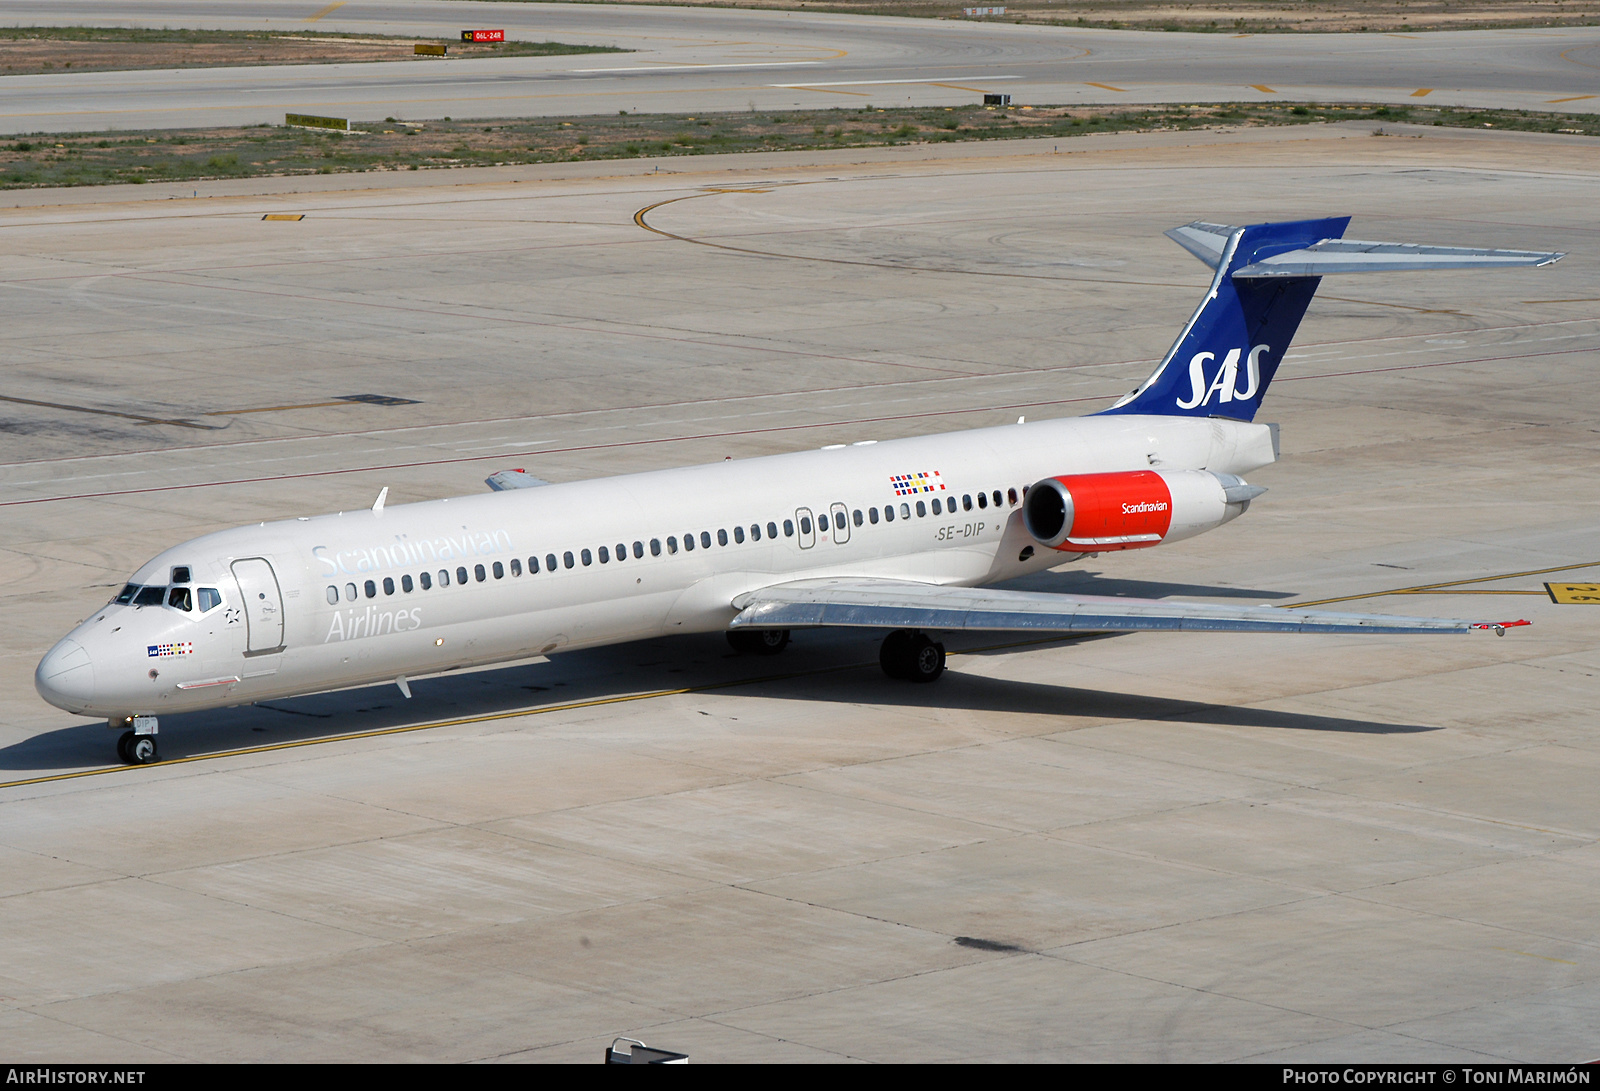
(138, 746)
(911, 656)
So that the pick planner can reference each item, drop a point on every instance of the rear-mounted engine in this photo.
(1096, 513)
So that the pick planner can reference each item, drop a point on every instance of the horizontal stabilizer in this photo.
(1205, 241)
(1353, 256)
(513, 479)
(899, 604)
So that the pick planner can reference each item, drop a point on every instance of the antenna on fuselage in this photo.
(377, 505)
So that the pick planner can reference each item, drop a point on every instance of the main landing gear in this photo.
(912, 656)
(758, 641)
(138, 745)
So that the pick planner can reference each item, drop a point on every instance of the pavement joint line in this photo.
(1435, 588)
(534, 710)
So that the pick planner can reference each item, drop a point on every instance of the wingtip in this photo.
(1500, 627)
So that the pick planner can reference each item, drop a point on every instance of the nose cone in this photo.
(65, 677)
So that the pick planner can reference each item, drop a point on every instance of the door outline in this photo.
(263, 613)
(841, 524)
(802, 519)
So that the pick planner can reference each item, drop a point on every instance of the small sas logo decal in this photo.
(911, 484)
(155, 651)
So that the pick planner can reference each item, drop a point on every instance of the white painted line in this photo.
(695, 67)
(867, 83)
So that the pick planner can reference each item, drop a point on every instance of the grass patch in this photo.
(186, 155)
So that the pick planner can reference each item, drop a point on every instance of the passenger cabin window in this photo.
(772, 529)
(406, 584)
(738, 535)
(444, 577)
(388, 585)
(856, 515)
(805, 524)
(333, 596)
(211, 598)
(350, 592)
(672, 544)
(788, 528)
(936, 510)
(688, 542)
(705, 538)
(922, 509)
(888, 513)
(755, 532)
(872, 516)
(905, 510)
(461, 574)
(371, 589)
(427, 581)
(1011, 496)
(638, 550)
(605, 555)
(550, 562)
(516, 567)
(566, 559)
(588, 558)
(499, 571)
(622, 551)
(655, 547)
(838, 520)
(983, 501)
(966, 502)
(477, 570)
(533, 565)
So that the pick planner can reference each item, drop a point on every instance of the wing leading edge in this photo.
(897, 604)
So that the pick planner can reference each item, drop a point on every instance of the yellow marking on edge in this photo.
(1595, 299)
(826, 91)
(490, 717)
(1574, 594)
(1263, 88)
(284, 216)
(329, 10)
(1428, 587)
(958, 87)
(1467, 591)
(1574, 98)
(1547, 958)
(1107, 86)
(1422, 92)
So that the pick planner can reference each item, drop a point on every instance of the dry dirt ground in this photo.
(51, 49)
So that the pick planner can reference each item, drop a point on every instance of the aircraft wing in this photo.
(902, 604)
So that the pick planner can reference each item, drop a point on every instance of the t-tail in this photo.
(1266, 274)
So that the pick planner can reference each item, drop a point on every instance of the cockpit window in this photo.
(180, 574)
(210, 599)
(126, 595)
(150, 596)
(179, 598)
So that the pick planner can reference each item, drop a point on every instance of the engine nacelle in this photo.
(1097, 513)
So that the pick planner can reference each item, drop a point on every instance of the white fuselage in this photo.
(275, 630)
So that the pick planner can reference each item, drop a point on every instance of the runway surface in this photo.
(705, 59)
(1153, 847)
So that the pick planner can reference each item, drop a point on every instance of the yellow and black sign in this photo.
(284, 216)
(312, 121)
(433, 49)
(1574, 594)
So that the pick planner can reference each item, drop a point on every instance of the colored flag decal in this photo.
(911, 484)
(155, 651)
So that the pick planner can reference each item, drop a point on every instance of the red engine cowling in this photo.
(1097, 513)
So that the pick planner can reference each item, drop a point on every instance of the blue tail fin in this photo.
(1225, 358)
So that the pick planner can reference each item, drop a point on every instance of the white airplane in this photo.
(901, 535)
